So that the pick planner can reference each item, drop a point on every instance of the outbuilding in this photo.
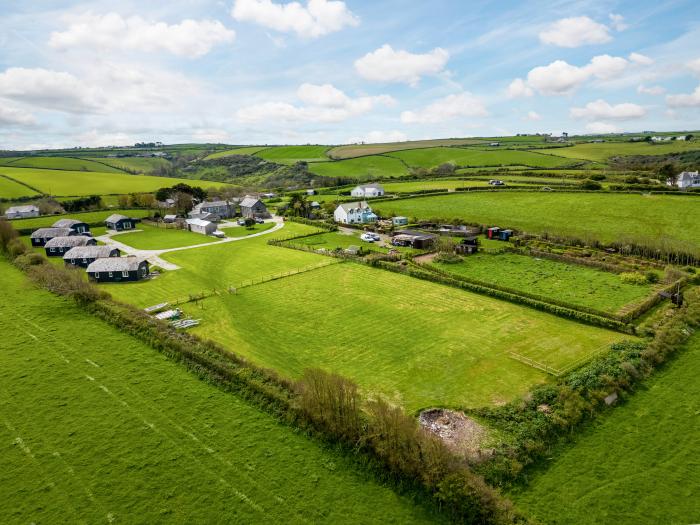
(201, 226)
(492, 233)
(118, 269)
(83, 256)
(58, 246)
(41, 236)
(253, 207)
(399, 221)
(169, 219)
(414, 239)
(120, 222)
(468, 246)
(368, 190)
(22, 212)
(74, 224)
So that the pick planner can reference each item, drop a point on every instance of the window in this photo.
(110, 274)
(125, 273)
(52, 250)
(84, 261)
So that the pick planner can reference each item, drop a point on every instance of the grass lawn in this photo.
(358, 150)
(90, 217)
(141, 164)
(579, 285)
(9, 189)
(218, 266)
(603, 150)
(250, 150)
(333, 240)
(639, 464)
(64, 163)
(97, 427)
(242, 231)
(159, 238)
(428, 158)
(643, 218)
(363, 168)
(419, 343)
(451, 184)
(78, 183)
(293, 154)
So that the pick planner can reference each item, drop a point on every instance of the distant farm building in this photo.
(367, 191)
(22, 212)
(169, 218)
(253, 207)
(687, 179)
(200, 226)
(354, 213)
(399, 221)
(75, 225)
(468, 246)
(120, 222)
(414, 239)
(223, 209)
(41, 236)
(58, 246)
(118, 269)
(84, 256)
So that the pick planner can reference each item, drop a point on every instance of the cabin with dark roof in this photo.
(75, 225)
(120, 222)
(415, 239)
(58, 246)
(41, 236)
(118, 269)
(84, 256)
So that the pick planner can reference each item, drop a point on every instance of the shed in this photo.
(83, 256)
(22, 212)
(505, 235)
(468, 246)
(169, 218)
(120, 222)
(492, 233)
(118, 269)
(201, 226)
(58, 246)
(399, 221)
(74, 224)
(41, 236)
(413, 238)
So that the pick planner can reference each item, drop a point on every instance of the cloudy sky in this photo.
(326, 71)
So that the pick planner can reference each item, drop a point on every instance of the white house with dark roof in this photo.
(354, 213)
(22, 212)
(367, 191)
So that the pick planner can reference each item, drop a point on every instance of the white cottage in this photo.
(354, 213)
(687, 179)
(22, 212)
(201, 226)
(367, 191)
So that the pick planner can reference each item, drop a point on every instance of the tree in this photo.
(183, 202)
(123, 201)
(668, 172)
(249, 222)
(299, 206)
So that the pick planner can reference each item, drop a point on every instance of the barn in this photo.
(120, 222)
(253, 207)
(83, 256)
(118, 269)
(41, 236)
(75, 225)
(58, 246)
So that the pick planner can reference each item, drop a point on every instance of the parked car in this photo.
(496, 182)
(375, 236)
(367, 237)
(258, 220)
(241, 221)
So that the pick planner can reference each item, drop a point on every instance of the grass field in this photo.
(585, 215)
(64, 163)
(451, 184)
(141, 164)
(431, 157)
(363, 168)
(638, 464)
(9, 189)
(419, 343)
(89, 217)
(292, 154)
(360, 150)
(96, 427)
(579, 285)
(249, 150)
(602, 151)
(79, 183)
(158, 238)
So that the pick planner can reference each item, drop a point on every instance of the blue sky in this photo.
(323, 71)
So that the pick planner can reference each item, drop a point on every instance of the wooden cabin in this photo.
(118, 269)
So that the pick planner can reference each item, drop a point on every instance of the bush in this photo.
(633, 278)
(16, 248)
(448, 258)
(590, 184)
(651, 277)
(597, 176)
(23, 262)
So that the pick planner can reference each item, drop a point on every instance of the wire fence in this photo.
(557, 372)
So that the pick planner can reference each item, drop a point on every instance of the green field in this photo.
(419, 343)
(159, 238)
(9, 189)
(249, 150)
(452, 184)
(639, 464)
(363, 168)
(643, 218)
(292, 154)
(578, 285)
(141, 164)
(79, 183)
(89, 217)
(603, 150)
(64, 163)
(361, 150)
(97, 427)
(431, 157)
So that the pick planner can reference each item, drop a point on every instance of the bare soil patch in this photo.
(461, 434)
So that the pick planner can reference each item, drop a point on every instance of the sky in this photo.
(104, 73)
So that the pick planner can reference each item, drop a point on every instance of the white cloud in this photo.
(317, 18)
(617, 22)
(650, 90)
(96, 139)
(14, 116)
(211, 135)
(518, 88)
(694, 66)
(378, 137)
(561, 78)
(388, 65)
(462, 105)
(533, 115)
(601, 110)
(602, 128)
(189, 38)
(685, 101)
(574, 32)
(640, 59)
(323, 103)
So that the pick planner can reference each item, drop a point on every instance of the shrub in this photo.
(23, 262)
(633, 278)
(651, 277)
(7, 233)
(590, 184)
(16, 248)
(448, 258)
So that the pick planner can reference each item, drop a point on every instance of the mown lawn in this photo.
(363, 168)
(431, 157)
(160, 238)
(64, 163)
(578, 285)
(292, 154)
(419, 343)
(10, 189)
(99, 428)
(643, 218)
(89, 217)
(639, 464)
(603, 150)
(79, 183)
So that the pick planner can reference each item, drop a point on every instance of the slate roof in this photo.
(115, 264)
(347, 206)
(115, 217)
(371, 185)
(89, 252)
(69, 242)
(42, 233)
(207, 204)
(22, 209)
(66, 223)
(249, 202)
(198, 222)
